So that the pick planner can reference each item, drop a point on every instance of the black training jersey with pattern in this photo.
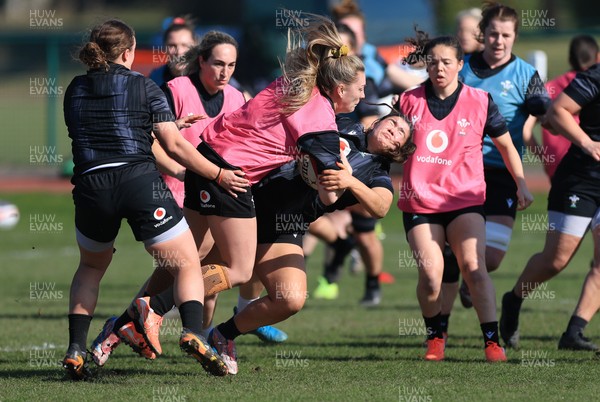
(109, 116)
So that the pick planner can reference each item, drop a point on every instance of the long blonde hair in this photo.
(322, 62)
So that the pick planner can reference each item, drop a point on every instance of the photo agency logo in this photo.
(536, 223)
(410, 326)
(288, 87)
(408, 259)
(414, 55)
(290, 291)
(537, 155)
(536, 86)
(45, 155)
(290, 359)
(44, 291)
(162, 117)
(290, 224)
(536, 358)
(414, 191)
(167, 393)
(170, 327)
(537, 291)
(45, 224)
(45, 87)
(43, 358)
(161, 191)
(537, 19)
(166, 55)
(290, 19)
(44, 19)
(413, 394)
(168, 259)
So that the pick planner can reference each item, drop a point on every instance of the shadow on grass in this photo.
(112, 376)
(40, 315)
(336, 306)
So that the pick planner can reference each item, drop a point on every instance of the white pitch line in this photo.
(45, 346)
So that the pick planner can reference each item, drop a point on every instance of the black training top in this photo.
(585, 91)
(109, 116)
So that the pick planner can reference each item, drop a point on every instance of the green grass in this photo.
(336, 350)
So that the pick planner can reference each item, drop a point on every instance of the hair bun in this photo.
(339, 52)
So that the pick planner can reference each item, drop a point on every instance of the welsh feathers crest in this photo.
(506, 86)
(463, 124)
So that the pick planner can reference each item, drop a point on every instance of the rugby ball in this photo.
(9, 215)
(308, 167)
(308, 170)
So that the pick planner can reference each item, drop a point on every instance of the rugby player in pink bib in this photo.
(293, 115)
(443, 188)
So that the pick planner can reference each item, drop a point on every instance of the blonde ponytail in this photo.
(323, 62)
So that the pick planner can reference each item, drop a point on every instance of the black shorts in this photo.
(500, 193)
(279, 207)
(105, 196)
(442, 218)
(208, 198)
(363, 224)
(574, 191)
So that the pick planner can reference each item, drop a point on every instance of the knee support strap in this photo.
(215, 279)
(497, 235)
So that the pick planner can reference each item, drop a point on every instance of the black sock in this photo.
(122, 320)
(79, 324)
(433, 325)
(444, 322)
(490, 332)
(192, 315)
(341, 249)
(576, 326)
(372, 282)
(513, 301)
(163, 302)
(331, 273)
(229, 330)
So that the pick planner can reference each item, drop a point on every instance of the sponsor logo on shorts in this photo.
(344, 146)
(204, 199)
(160, 213)
(204, 196)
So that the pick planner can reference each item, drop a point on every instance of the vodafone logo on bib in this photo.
(204, 196)
(159, 213)
(437, 141)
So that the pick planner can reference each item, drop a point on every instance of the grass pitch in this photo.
(336, 350)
